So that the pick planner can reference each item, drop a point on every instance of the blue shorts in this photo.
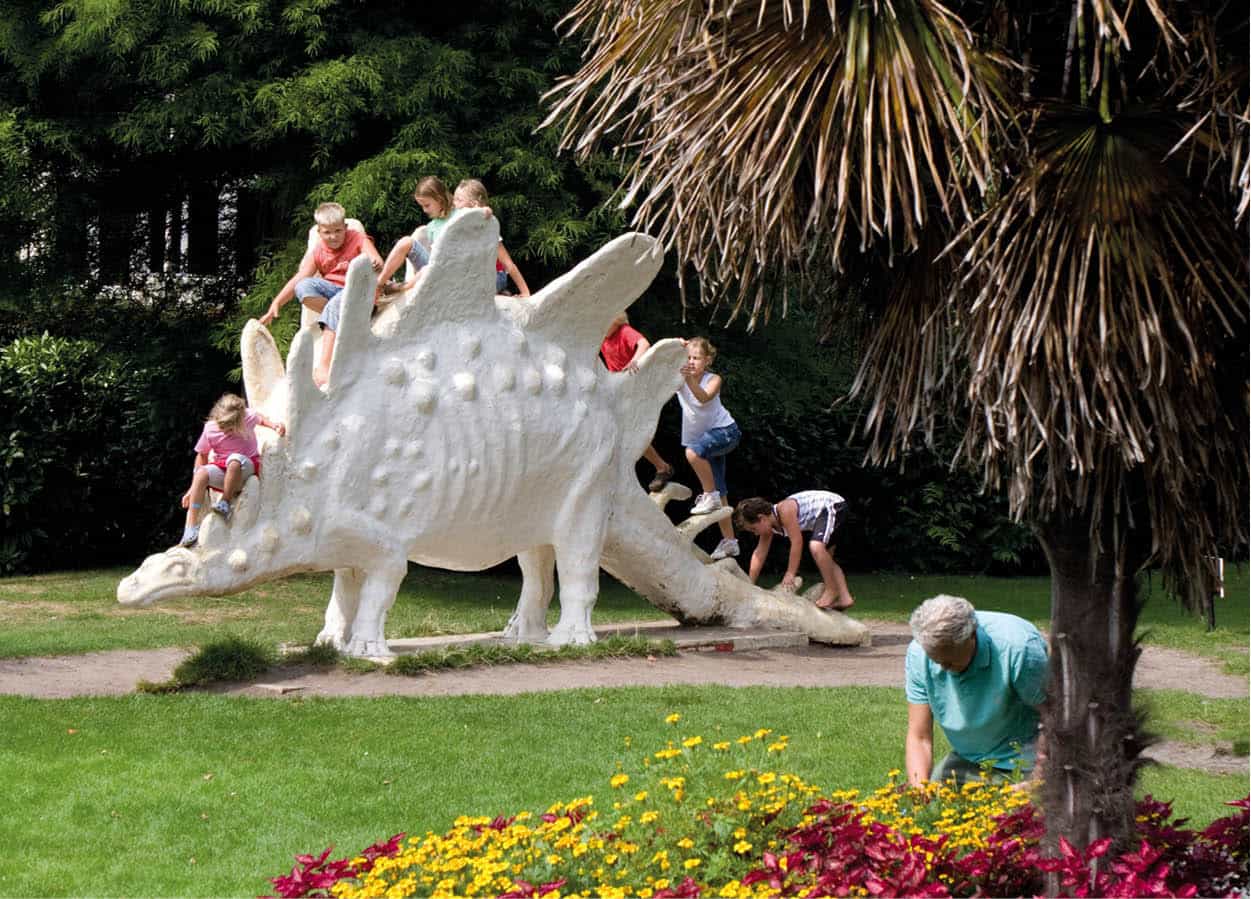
(418, 255)
(714, 445)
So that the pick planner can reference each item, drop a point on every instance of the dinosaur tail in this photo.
(643, 550)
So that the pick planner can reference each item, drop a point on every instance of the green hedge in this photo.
(96, 432)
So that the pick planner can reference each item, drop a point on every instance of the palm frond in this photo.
(761, 131)
(1102, 298)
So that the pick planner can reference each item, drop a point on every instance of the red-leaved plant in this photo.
(314, 875)
(840, 852)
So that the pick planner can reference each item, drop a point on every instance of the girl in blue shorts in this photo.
(709, 433)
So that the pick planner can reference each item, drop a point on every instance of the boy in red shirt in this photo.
(622, 348)
(319, 280)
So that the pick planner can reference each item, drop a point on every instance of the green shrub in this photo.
(100, 411)
(231, 659)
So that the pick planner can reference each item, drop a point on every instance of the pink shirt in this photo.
(222, 443)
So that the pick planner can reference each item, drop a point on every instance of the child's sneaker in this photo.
(726, 549)
(222, 508)
(190, 535)
(705, 503)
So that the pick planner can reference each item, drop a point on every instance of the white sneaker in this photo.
(727, 548)
(705, 503)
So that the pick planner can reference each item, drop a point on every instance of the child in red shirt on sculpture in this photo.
(229, 436)
(622, 349)
(322, 274)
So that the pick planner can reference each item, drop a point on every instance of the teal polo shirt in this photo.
(988, 710)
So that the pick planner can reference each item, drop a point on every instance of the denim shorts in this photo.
(714, 446)
(418, 255)
(717, 442)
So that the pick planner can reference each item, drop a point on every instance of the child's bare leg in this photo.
(727, 529)
(234, 480)
(836, 594)
(703, 471)
(656, 459)
(394, 259)
(193, 500)
(321, 371)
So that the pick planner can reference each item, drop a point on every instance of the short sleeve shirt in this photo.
(333, 264)
(436, 225)
(222, 443)
(619, 346)
(989, 710)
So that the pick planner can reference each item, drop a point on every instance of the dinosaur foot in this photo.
(520, 631)
(563, 635)
(331, 638)
(361, 648)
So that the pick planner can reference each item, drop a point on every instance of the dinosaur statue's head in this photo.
(229, 557)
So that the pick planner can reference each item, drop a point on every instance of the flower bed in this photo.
(715, 819)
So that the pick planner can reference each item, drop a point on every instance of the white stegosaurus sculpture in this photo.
(459, 429)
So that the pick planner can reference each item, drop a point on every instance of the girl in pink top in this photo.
(226, 455)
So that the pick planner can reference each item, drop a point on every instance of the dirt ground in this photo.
(118, 672)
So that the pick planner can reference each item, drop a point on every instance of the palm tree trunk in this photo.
(1092, 731)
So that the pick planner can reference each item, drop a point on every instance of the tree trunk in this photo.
(175, 232)
(1092, 731)
(157, 216)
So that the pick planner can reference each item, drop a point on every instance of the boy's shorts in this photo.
(828, 523)
(217, 473)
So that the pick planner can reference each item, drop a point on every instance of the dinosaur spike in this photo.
(353, 338)
(303, 396)
(697, 524)
(671, 491)
(641, 394)
(581, 305)
(462, 264)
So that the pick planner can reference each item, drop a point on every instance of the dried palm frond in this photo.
(762, 131)
(1100, 297)
(1210, 84)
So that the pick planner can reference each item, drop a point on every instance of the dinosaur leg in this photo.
(378, 588)
(341, 610)
(577, 563)
(538, 583)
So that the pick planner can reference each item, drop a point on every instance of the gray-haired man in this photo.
(982, 675)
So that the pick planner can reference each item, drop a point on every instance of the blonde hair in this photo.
(474, 190)
(330, 214)
(230, 412)
(704, 347)
(433, 188)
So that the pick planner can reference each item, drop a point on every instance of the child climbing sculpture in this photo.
(622, 349)
(229, 437)
(319, 280)
(819, 512)
(709, 434)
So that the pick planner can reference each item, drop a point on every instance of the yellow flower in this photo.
(743, 740)
(640, 795)
(648, 817)
(762, 733)
(673, 719)
(685, 843)
(691, 863)
(692, 742)
(619, 780)
(733, 775)
(767, 778)
(742, 846)
(722, 746)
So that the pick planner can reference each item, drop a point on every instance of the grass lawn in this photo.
(201, 795)
(77, 611)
